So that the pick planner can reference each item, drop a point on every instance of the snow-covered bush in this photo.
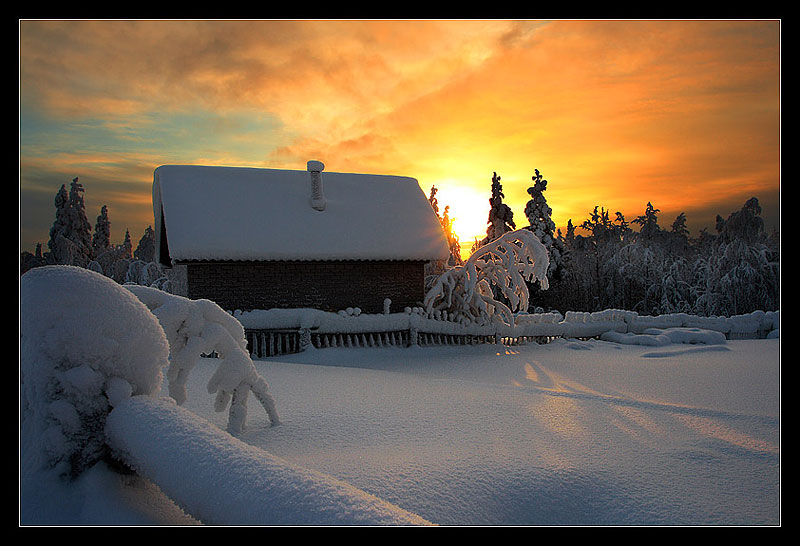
(466, 292)
(86, 344)
(201, 327)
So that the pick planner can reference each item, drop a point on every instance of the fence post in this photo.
(412, 337)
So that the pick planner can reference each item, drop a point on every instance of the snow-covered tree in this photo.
(59, 244)
(466, 293)
(501, 217)
(86, 344)
(80, 229)
(146, 249)
(649, 222)
(447, 227)
(452, 238)
(433, 200)
(60, 226)
(745, 224)
(101, 240)
(200, 327)
(539, 214)
(740, 272)
(127, 246)
(70, 236)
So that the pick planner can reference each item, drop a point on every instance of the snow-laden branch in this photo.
(197, 327)
(467, 293)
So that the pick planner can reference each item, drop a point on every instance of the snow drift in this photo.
(86, 343)
(223, 481)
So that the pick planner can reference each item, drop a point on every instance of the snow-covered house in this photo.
(250, 238)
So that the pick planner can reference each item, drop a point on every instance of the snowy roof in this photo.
(238, 213)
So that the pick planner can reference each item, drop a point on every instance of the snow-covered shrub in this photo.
(201, 327)
(86, 343)
(505, 264)
(144, 273)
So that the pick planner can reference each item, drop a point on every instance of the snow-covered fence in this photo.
(266, 343)
(281, 331)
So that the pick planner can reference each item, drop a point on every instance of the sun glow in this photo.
(469, 210)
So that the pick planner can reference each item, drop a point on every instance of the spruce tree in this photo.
(127, 246)
(101, 240)
(145, 250)
(60, 225)
(501, 218)
(80, 229)
(434, 201)
(452, 239)
(539, 214)
(70, 235)
(649, 222)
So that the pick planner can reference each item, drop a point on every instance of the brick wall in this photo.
(330, 286)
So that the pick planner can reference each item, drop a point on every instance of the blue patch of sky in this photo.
(248, 135)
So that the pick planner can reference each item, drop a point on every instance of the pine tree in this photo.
(61, 224)
(101, 240)
(452, 239)
(70, 236)
(569, 238)
(146, 248)
(80, 229)
(649, 222)
(538, 213)
(127, 246)
(745, 224)
(447, 226)
(501, 218)
(679, 225)
(739, 273)
(434, 201)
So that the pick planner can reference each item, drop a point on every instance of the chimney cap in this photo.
(315, 166)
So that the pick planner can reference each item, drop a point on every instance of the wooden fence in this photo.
(267, 343)
(264, 343)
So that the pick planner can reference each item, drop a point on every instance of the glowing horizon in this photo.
(683, 114)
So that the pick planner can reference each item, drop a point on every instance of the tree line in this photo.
(652, 270)
(72, 242)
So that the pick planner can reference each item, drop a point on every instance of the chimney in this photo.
(315, 168)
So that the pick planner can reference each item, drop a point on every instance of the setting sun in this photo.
(469, 209)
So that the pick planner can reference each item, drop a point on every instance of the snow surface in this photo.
(568, 433)
(207, 210)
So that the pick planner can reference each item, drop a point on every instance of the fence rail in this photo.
(267, 343)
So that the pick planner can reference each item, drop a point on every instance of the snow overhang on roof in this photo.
(249, 214)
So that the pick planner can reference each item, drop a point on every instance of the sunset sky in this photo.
(684, 114)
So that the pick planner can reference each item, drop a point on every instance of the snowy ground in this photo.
(573, 432)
